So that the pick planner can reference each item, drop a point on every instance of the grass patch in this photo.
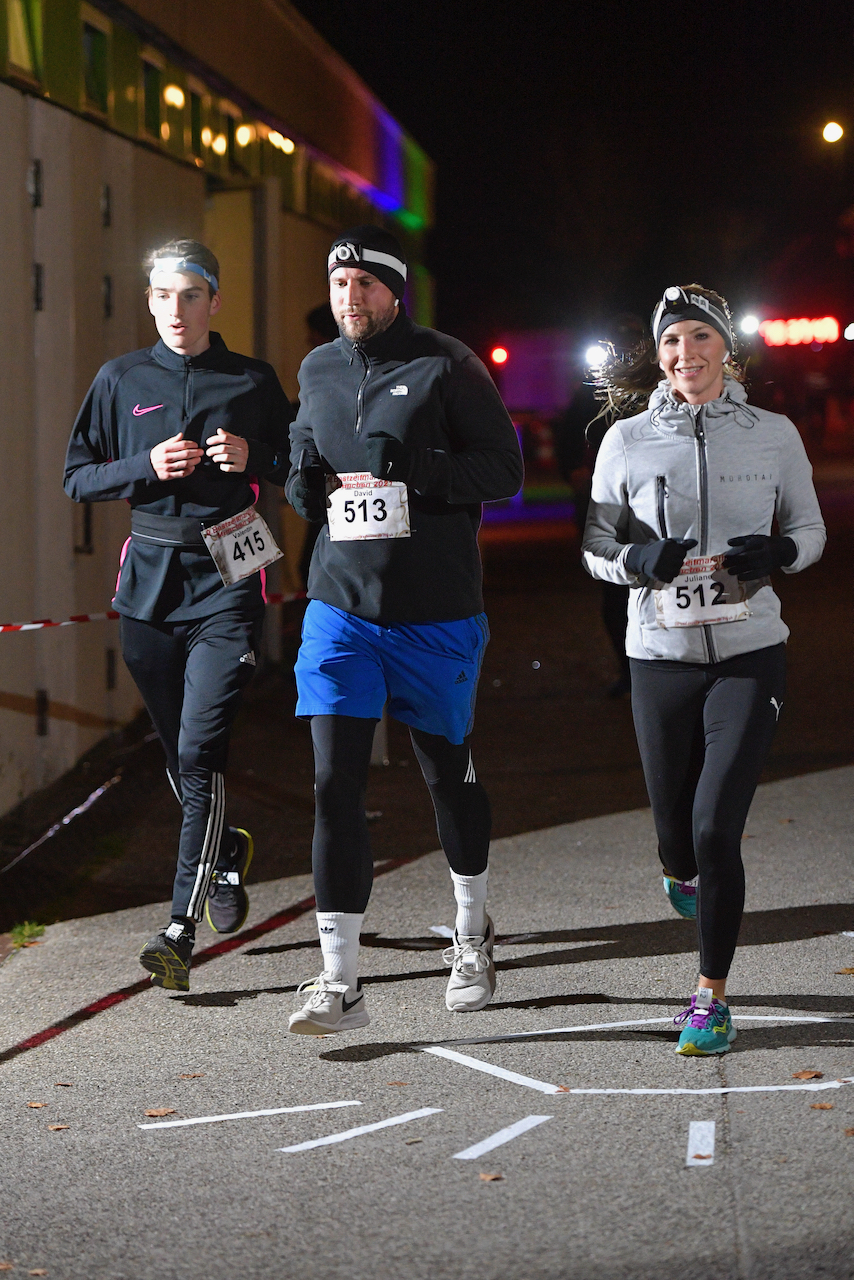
(23, 934)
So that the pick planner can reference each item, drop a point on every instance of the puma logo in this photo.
(778, 707)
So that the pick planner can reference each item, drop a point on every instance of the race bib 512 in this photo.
(704, 593)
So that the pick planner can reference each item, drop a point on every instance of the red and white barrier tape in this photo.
(274, 597)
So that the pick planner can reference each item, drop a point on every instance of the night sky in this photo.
(590, 154)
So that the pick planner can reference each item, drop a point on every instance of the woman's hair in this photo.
(191, 250)
(626, 380)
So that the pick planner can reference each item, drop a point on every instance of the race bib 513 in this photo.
(363, 508)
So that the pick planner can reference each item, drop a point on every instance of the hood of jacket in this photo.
(671, 416)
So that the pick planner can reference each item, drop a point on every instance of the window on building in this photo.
(24, 19)
(151, 98)
(95, 66)
(195, 124)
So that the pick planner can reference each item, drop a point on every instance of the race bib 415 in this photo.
(241, 545)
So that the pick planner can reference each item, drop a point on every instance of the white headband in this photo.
(181, 264)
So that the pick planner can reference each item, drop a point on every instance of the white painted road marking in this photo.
(701, 1144)
(733, 1088)
(441, 931)
(363, 1128)
(498, 1139)
(634, 1022)
(513, 1076)
(248, 1115)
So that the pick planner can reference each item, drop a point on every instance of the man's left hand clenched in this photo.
(230, 452)
(388, 457)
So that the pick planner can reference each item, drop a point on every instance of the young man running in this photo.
(181, 430)
(405, 431)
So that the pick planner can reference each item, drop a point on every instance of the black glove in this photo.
(759, 555)
(388, 457)
(307, 492)
(660, 560)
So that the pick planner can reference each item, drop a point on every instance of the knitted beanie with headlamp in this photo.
(376, 251)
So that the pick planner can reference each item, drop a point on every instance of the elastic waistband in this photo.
(169, 531)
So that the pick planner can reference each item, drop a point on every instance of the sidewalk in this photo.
(593, 1184)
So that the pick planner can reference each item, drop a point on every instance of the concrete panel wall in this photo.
(88, 245)
(17, 676)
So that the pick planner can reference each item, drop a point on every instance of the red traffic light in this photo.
(499, 355)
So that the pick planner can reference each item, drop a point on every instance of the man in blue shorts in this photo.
(400, 436)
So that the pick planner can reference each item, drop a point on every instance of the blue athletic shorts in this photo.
(427, 673)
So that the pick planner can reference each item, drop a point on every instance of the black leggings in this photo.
(704, 732)
(341, 853)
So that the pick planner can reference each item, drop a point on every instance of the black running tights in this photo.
(704, 732)
(341, 854)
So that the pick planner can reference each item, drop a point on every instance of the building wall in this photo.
(49, 357)
(125, 125)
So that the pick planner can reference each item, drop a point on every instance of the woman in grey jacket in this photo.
(683, 500)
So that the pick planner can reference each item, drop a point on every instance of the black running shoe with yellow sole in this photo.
(167, 958)
(228, 903)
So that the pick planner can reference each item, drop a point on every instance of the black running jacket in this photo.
(143, 398)
(434, 394)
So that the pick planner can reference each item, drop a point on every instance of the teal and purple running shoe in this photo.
(682, 895)
(707, 1026)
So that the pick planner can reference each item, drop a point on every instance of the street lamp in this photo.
(832, 131)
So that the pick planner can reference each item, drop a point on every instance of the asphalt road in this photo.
(592, 964)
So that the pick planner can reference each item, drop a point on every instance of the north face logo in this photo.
(462, 678)
(400, 391)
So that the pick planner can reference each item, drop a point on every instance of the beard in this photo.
(365, 326)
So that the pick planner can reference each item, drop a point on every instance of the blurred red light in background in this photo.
(793, 333)
(499, 355)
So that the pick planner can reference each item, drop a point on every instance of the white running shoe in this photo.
(471, 985)
(332, 1006)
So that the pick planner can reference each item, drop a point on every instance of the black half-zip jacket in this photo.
(431, 392)
(143, 398)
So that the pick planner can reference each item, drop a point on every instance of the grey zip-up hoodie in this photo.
(711, 472)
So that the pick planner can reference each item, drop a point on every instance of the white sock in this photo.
(339, 941)
(470, 893)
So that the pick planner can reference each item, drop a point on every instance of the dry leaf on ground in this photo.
(849, 1133)
(563, 1088)
(848, 970)
(63, 1084)
(821, 1106)
(55, 1127)
(160, 1111)
(405, 1083)
(807, 1075)
(7, 1266)
(192, 1075)
(36, 1104)
(410, 1142)
(38, 1271)
(491, 1177)
(699, 1157)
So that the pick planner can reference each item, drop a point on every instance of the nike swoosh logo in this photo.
(345, 1006)
(137, 412)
